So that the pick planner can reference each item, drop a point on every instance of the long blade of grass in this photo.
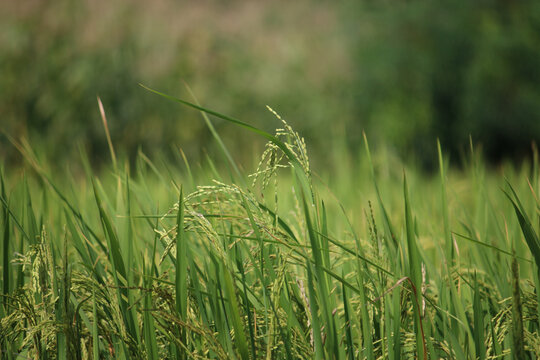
(532, 239)
(106, 127)
(315, 323)
(181, 270)
(6, 234)
(150, 340)
(502, 251)
(234, 308)
(299, 170)
(361, 270)
(449, 248)
(340, 244)
(62, 290)
(95, 332)
(16, 221)
(348, 332)
(478, 312)
(113, 244)
(220, 142)
(396, 337)
(415, 269)
(85, 250)
(247, 306)
(118, 265)
(31, 224)
(387, 223)
(518, 337)
(322, 281)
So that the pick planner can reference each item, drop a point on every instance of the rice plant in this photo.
(161, 261)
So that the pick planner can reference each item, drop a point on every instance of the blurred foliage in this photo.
(450, 69)
(406, 72)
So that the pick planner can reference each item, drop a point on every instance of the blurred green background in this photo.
(405, 72)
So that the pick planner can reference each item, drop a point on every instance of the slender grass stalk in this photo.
(181, 272)
(6, 235)
(234, 308)
(322, 283)
(478, 311)
(315, 332)
(518, 341)
(246, 302)
(118, 267)
(415, 271)
(107, 133)
(225, 152)
(149, 328)
(449, 247)
(532, 239)
(348, 332)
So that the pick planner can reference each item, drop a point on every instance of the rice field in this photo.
(370, 259)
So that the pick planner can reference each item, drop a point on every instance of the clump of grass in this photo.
(277, 268)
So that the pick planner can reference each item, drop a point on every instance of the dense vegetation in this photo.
(361, 260)
(158, 235)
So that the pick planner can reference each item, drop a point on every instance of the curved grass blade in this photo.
(302, 176)
(526, 226)
(502, 251)
(216, 136)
